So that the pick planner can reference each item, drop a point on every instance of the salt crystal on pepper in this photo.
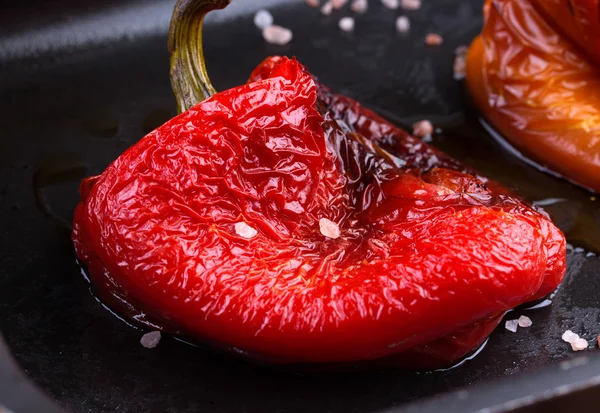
(329, 228)
(244, 230)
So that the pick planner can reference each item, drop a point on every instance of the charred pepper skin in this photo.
(431, 254)
(533, 73)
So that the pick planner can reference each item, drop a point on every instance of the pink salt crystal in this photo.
(346, 24)
(577, 343)
(402, 24)
(151, 339)
(263, 19)
(433, 39)
(410, 4)
(422, 129)
(511, 325)
(359, 6)
(244, 230)
(327, 8)
(525, 321)
(329, 228)
(338, 4)
(460, 63)
(391, 4)
(277, 35)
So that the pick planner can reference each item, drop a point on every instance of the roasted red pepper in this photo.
(430, 254)
(532, 75)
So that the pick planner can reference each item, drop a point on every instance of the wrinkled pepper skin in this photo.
(532, 75)
(578, 20)
(430, 255)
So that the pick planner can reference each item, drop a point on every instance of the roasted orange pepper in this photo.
(531, 73)
(579, 20)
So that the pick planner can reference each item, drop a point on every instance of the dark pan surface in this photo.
(68, 113)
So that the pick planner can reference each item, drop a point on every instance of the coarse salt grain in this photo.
(244, 230)
(460, 63)
(577, 343)
(329, 228)
(151, 339)
(433, 39)
(338, 4)
(346, 24)
(525, 321)
(327, 8)
(277, 35)
(359, 6)
(511, 325)
(263, 19)
(391, 4)
(410, 4)
(402, 24)
(312, 3)
(568, 336)
(422, 129)
(459, 68)
(462, 49)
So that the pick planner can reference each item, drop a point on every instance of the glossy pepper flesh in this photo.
(430, 255)
(533, 74)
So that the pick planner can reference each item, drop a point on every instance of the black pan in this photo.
(80, 83)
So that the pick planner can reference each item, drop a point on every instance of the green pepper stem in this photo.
(189, 78)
